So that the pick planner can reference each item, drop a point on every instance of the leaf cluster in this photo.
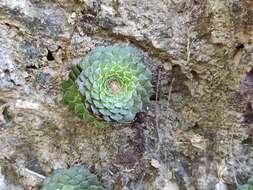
(74, 100)
(74, 178)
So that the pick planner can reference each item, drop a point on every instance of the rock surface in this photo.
(197, 133)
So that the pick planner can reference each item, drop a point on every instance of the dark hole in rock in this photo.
(88, 18)
(13, 82)
(195, 126)
(28, 67)
(50, 56)
(153, 98)
(7, 24)
(176, 69)
(240, 46)
(140, 117)
(195, 75)
(7, 71)
(92, 169)
(6, 114)
(247, 141)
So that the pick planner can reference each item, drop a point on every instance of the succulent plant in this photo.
(74, 178)
(72, 97)
(113, 82)
(248, 185)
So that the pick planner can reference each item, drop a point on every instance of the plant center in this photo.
(115, 86)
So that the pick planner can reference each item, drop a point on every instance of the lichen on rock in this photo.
(197, 131)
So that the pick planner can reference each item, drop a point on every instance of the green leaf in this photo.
(79, 109)
(68, 187)
(116, 117)
(94, 187)
(129, 117)
(98, 104)
(88, 117)
(104, 112)
(250, 180)
(66, 84)
(100, 125)
(244, 187)
(76, 70)
(68, 97)
(77, 99)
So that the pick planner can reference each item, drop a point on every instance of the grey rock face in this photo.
(149, 22)
(5, 186)
(197, 131)
(10, 71)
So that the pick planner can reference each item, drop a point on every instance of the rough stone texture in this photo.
(197, 133)
(5, 186)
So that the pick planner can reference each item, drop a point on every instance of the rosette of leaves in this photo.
(73, 98)
(248, 185)
(114, 83)
(74, 178)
